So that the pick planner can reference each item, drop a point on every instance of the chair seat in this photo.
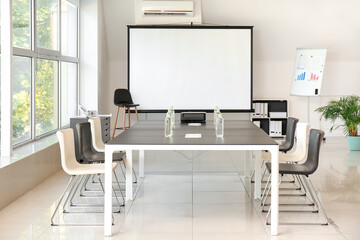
(297, 169)
(126, 104)
(283, 157)
(100, 157)
(85, 169)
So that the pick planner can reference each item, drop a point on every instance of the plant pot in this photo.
(354, 143)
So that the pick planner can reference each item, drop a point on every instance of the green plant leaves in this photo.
(346, 109)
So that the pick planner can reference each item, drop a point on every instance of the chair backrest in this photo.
(84, 135)
(122, 96)
(67, 150)
(96, 134)
(290, 135)
(302, 136)
(312, 162)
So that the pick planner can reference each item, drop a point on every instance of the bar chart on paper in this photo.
(314, 77)
(309, 70)
(301, 76)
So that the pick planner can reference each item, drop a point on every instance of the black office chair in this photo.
(88, 155)
(290, 135)
(123, 99)
(305, 169)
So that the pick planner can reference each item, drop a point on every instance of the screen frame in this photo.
(129, 27)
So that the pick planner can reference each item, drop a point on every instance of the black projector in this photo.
(193, 117)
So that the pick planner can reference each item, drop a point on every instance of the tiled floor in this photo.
(199, 195)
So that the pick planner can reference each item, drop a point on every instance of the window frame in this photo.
(56, 55)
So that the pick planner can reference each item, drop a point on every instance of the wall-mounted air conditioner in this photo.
(168, 8)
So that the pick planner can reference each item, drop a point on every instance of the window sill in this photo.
(28, 149)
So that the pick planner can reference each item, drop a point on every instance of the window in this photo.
(68, 92)
(46, 107)
(47, 24)
(21, 23)
(45, 66)
(21, 99)
(69, 15)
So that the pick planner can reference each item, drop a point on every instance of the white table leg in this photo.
(129, 175)
(274, 190)
(257, 177)
(108, 191)
(141, 163)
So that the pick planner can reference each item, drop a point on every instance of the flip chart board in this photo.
(308, 73)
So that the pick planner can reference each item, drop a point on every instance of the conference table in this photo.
(241, 135)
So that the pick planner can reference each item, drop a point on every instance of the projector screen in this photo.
(190, 68)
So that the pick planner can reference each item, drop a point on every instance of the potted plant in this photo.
(346, 109)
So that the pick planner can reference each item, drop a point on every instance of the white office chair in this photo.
(299, 155)
(302, 135)
(76, 170)
(96, 136)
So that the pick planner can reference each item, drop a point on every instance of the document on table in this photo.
(194, 124)
(193, 135)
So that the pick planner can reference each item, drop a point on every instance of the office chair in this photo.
(76, 170)
(304, 170)
(299, 155)
(284, 147)
(290, 135)
(88, 155)
(122, 99)
(97, 142)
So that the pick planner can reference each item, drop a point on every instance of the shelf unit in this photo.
(271, 116)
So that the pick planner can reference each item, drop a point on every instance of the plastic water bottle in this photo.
(219, 128)
(216, 112)
(168, 125)
(172, 116)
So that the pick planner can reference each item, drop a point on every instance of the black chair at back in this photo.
(86, 152)
(123, 99)
(307, 168)
(290, 135)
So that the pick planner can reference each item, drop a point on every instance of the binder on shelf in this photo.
(265, 109)
(257, 109)
(272, 128)
(261, 110)
(278, 130)
(253, 106)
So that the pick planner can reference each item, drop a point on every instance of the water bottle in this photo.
(172, 116)
(219, 128)
(168, 125)
(216, 112)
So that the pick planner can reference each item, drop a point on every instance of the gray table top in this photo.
(152, 133)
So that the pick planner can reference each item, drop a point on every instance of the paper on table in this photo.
(193, 135)
(194, 124)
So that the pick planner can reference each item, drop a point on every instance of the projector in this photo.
(193, 117)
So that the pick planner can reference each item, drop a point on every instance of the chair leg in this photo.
(117, 114)
(267, 183)
(135, 181)
(124, 118)
(316, 199)
(61, 198)
(70, 193)
(137, 116)
(122, 195)
(129, 115)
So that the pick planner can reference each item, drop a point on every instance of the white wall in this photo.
(280, 26)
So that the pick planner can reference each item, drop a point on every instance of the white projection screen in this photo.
(190, 68)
